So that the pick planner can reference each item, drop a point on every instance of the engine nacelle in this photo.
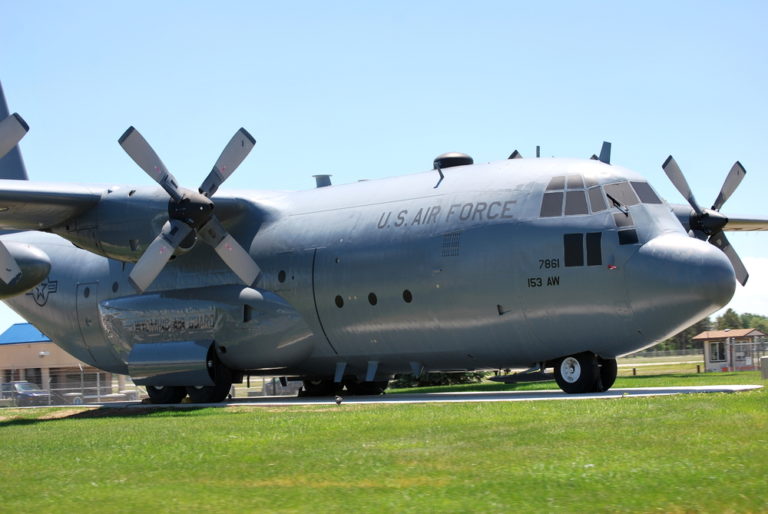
(35, 266)
(177, 363)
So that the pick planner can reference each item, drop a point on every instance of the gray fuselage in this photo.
(500, 265)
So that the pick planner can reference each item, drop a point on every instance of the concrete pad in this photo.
(490, 396)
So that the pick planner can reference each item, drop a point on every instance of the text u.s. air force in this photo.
(457, 212)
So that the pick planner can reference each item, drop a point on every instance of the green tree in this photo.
(749, 320)
(684, 340)
(729, 319)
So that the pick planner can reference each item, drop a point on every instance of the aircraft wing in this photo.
(746, 224)
(28, 205)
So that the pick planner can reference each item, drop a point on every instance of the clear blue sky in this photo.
(367, 90)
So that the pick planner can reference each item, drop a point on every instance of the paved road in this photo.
(495, 396)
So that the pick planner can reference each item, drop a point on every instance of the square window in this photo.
(575, 203)
(552, 205)
(575, 182)
(574, 249)
(556, 183)
(596, 199)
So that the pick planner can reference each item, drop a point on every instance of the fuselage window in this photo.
(575, 203)
(596, 199)
(645, 192)
(552, 205)
(574, 249)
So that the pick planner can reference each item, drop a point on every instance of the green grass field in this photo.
(706, 453)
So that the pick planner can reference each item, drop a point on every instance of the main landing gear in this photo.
(327, 387)
(585, 373)
(197, 394)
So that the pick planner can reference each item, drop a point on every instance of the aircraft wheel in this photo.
(608, 371)
(209, 394)
(366, 388)
(166, 394)
(577, 373)
(319, 387)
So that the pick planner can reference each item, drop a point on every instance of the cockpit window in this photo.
(556, 183)
(574, 195)
(644, 191)
(567, 195)
(576, 203)
(575, 182)
(552, 205)
(621, 193)
(596, 199)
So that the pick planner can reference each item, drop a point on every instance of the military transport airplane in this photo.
(564, 263)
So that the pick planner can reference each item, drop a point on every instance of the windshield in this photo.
(27, 387)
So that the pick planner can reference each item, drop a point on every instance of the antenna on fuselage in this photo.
(448, 160)
(605, 153)
(322, 180)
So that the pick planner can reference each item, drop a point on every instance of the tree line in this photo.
(729, 319)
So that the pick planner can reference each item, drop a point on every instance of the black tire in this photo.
(166, 394)
(320, 387)
(209, 394)
(577, 374)
(366, 388)
(608, 371)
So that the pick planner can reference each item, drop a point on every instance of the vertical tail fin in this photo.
(12, 164)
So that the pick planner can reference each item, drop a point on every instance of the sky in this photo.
(364, 90)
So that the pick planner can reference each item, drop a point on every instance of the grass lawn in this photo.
(705, 452)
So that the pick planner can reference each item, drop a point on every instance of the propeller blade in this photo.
(747, 224)
(9, 268)
(12, 129)
(732, 181)
(678, 180)
(157, 255)
(230, 251)
(233, 154)
(142, 154)
(720, 241)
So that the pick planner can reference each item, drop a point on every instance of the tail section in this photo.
(11, 165)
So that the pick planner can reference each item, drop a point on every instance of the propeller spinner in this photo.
(710, 222)
(190, 213)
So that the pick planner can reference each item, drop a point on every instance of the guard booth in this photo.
(738, 349)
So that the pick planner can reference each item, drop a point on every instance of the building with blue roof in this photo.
(26, 354)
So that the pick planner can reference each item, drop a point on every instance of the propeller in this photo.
(709, 223)
(190, 213)
(12, 129)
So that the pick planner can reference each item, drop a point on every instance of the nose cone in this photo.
(674, 281)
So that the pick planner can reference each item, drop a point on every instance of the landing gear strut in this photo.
(585, 373)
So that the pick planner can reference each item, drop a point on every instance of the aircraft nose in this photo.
(674, 281)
